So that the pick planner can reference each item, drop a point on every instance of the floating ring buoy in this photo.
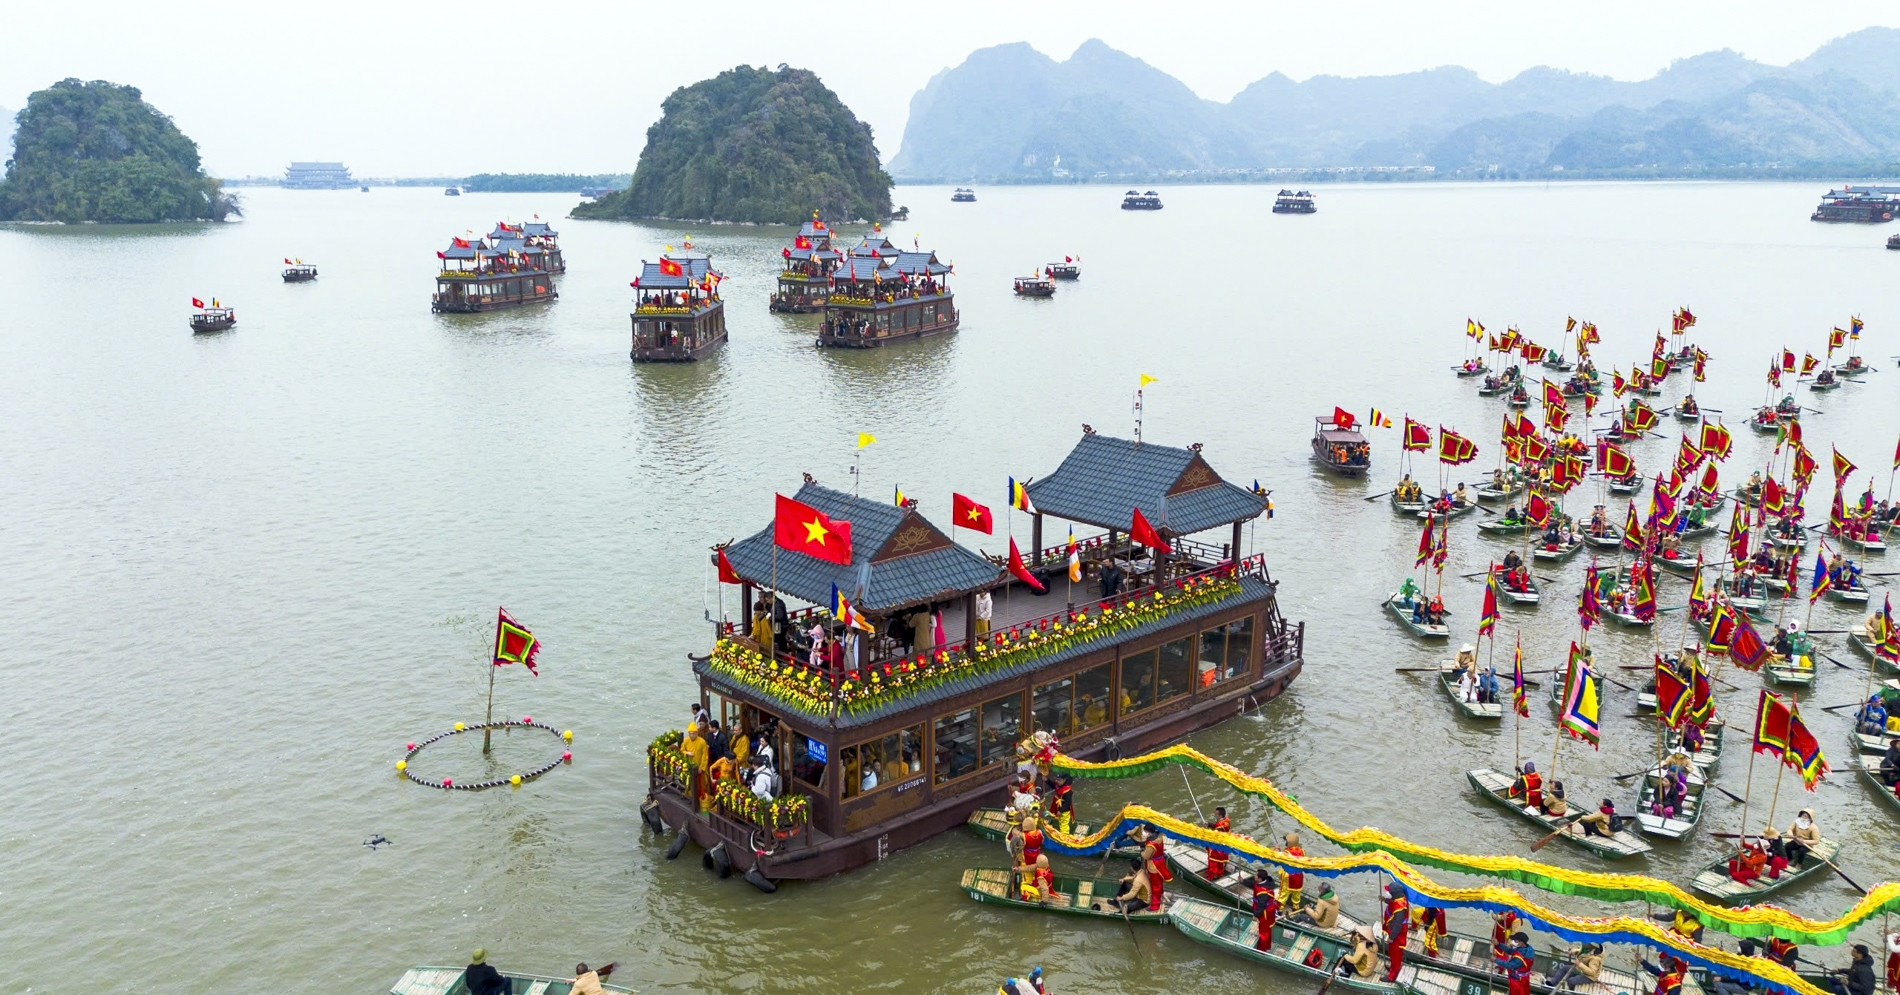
(679, 843)
(717, 861)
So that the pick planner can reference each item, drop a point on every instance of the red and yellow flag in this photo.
(801, 528)
(514, 643)
(970, 515)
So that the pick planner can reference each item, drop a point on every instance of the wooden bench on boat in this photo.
(1683, 822)
(1235, 931)
(1714, 881)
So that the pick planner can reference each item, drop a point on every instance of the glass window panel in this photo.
(848, 763)
(1208, 669)
(1240, 646)
(809, 760)
(955, 739)
(1002, 726)
(1138, 682)
(1051, 706)
(1176, 669)
(1091, 697)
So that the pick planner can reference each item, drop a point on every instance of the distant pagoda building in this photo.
(803, 282)
(318, 176)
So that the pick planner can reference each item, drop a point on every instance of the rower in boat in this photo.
(1788, 534)
(1217, 859)
(1765, 420)
(1266, 907)
(1520, 397)
(1561, 542)
(1515, 582)
(1503, 485)
(1473, 367)
(1876, 643)
(1601, 531)
(1844, 583)
(1788, 408)
(1137, 893)
(1425, 618)
(1686, 409)
(1037, 882)
(1791, 656)
(1626, 484)
(1825, 380)
(1760, 865)
(1408, 496)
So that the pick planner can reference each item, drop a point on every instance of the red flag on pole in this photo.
(802, 528)
(1019, 570)
(970, 515)
(1143, 533)
(727, 575)
(514, 643)
(195, 302)
(1342, 417)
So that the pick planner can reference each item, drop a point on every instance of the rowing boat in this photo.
(1856, 594)
(1457, 510)
(1610, 538)
(1237, 932)
(1872, 543)
(1073, 896)
(1675, 825)
(1557, 689)
(1411, 507)
(448, 981)
(1798, 673)
(1558, 363)
(1682, 415)
(1492, 494)
(1746, 496)
(1546, 553)
(1710, 755)
(1797, 541)
(1494, 784)
(1869, 764)
(1530, 595)
(1469, 709)
(1622, 485)
(1467, 372)
(1423, 630)
(993, 824)
(1715, 882)
(1236, 886)
(1680, 566)
(1883, 659)
(1628, 619)
(1471, 957)
(1503, 528)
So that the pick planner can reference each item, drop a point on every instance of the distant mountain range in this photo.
(1012, 114)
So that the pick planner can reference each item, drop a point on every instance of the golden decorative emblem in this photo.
(1197, 475)
(912, 538)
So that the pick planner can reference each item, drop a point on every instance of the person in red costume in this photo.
(1217, 859)
(1398, 919)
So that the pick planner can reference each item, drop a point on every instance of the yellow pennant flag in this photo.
(1145, 381)
(865, 439)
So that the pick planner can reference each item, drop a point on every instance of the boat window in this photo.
(1240, 643)
(955, 741)
(885, 762)
(1138, 682)
(1002, 726)
(1091, 697)
(1208, 669)
(809, 760)
(1052, 706)
(930, 313)
(1175, 673)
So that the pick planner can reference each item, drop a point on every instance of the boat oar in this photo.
(1836, 708)
(1732, 795)
(1334, 973)
(1830, 632)
(1625, 777)
(1376, 497)
(1132, 938)
(1616, 682)
(1833, 661)
(1417, 670)
(1812, 411)
(1540, 844)
(1843, 875)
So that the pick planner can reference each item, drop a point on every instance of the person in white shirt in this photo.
(762, 783)
(983, 609)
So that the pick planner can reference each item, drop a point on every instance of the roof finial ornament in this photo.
(1088, 429)
(1195, 448)
(810, 479)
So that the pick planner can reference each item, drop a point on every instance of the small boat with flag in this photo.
(1855, 365)
(1482, 710)
(1848, 588)
(1338, 445)
(1765, 421)
(1035, 285)
(1868, 757)
(1714, 880)
(1883, 656)
(1302, 950)
(1519, 587)
(451, 980)
(1502, 486)
(1824, 381)
(1409, 501)
(1710, 755)
(1793, 670)
(1520, 397)
(298, 271)
(1788, 535)
(1495, 785)
(1628, 484)
(1422, 624)
(1603, 536)
(1674, 819)
(215, 318)
(1067, 269)
(1556, 551)
(1676, 563)
(1687, 410)
(1501, 383)
(1864, 537)
(1073, 896)
(1787, 408)
(993, 824)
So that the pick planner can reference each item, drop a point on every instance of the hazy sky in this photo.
(407, 88)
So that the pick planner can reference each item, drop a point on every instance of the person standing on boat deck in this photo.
(481, 978)
(1783, 952)
(1803, 837)
(1295, 881)
(1217, 858)
(1516, 960)
(1110, 579)
(1062, 804)
(1430, 920)
(1266, 908)
(1397, 921)
(984, 607)
(1155, 859)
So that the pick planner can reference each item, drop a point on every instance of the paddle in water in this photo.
(1540, 844)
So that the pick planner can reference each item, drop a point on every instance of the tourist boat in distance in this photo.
(1867, 206)
(1067, 269)
(804, 276)
(1893, 241)
(886, 295)
(1035, 286)
(298, 271)
(212, 319)
(677, 315)
(1289, 202)
(451, 191)
(1149, 201)
(1341, 448)
(448, 981)
(538, 235)
(1192, 638)
(963, 195)
(489, 274)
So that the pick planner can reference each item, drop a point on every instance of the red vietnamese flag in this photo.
(1143, 533)
(460, 243)
(727, 575)
(195, 302)
(670, 268)
(1342, 417)
(287, 261)
(1019, 569)
(970, 515)
(802, 528)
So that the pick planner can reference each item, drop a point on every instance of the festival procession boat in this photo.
(992, 823)
(804, 279)
(1856, 365)
(1501, 486)
(1502, 383)
(1067, 269)
(1401, 609)
(963, 195)
(215, 318)
(1338, 445)
(1289, 202)
(450, 981)
(1543, 551)
(1189, 635)
(678, 316)
(1714, 881)
(537, 234)
(1710, 755)
(1482, 710)
(298, 271)
(880, 299)
(1680, 821)
(1149, 201)
(1865, 537)
(1790, 671)
(1867, 765)
(489, 274)
(1235, 931)
(1035, 285)
(1072, 896)
(1495, 785)
(1885, 657)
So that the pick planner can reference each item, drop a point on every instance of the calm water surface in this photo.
(242, 570)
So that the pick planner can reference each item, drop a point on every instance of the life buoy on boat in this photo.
(757, 879)
(717, 861)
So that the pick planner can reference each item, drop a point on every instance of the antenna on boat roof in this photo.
(1139, 386)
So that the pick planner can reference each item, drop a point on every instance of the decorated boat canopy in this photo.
(898, 558)
(919, 264)
(865, 270)
(1104, 479)
(676, 273)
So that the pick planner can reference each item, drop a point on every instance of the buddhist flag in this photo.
(1455, 449)
(1745, 647)
(1804, 751)
(1581, 708)
(968, 514)
(1019, 496)
(727, 575)
(1842, 467)
(1517, 679)
(897, 496)
(1418, 439)
(514, 643)
(801, 528)
(1424, 544)
(1488, 616)
(1140, 531)
(1555, 418)
(1716, 440)
(670, 268)
(1802, 467)
(1075, 559)
(1343, 418)
(843, 611)
(1020, 570)
(1379, 419)
(1721, 628)
(1821, 582)
(1772, 719)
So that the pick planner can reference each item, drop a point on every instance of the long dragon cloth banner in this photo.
(1748, 921)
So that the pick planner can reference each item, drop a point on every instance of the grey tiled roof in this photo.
(694, 270)
(814, 231)
(861, 268)
(915, 263)
(538, 228)
(1251, 588)
(1103, 479)
(895, 582)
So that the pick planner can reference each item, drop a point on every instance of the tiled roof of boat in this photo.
(538, 228)
(821, 255)
(916, 263)
(860, 268)
(693, 269)
(939, 574)
(1103, 479)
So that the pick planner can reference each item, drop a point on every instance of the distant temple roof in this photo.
(1103, 479)
(919, 264)
(898, 559)
(865, 268)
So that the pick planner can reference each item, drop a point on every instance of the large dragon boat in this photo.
(891, 745)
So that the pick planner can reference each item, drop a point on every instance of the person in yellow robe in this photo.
(694, 746)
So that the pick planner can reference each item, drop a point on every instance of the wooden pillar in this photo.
(969, 622)
(1035, 537)
(1236, 544)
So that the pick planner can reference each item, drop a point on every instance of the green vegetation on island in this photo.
(98, 152)
(543, 182)
(754, 145)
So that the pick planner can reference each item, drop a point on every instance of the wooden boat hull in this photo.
(1869, 762)
(1457, 510)
(1235, 931)
(1617, 487)
(1822, 388)
(448, 981)
(991, 824)
(1790, 675)
(1073, 897)
(679, 354)
(1464, 373)
(1323, 458)
(299, 277)
(1628, 621)
(1849, 595)
(918, 334)
(1874, 545)
(1532, 595)
(1407, 507)
(1035, 291)
(1707, 758)
(1483, 711)
(1882, 662)
(443, 305)
(1678, 825)
(777, 306)
(1678, 566)
(1561, 366)
(1493, 784)
(1613, 539)
(1543, 555)
(1419, 629)
(1501, 529)
(1713, 881)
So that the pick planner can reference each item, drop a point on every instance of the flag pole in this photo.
(489, 716)
(1517, 717)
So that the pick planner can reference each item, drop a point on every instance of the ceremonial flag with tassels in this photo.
(1801, 468)
(1455, 449)
(1659, 346)
(1570, 324)
(1618, 385)
(1721, 628)
(1745, 648)
(727, 575)
(1662, 500)
(1774, 374)
(1672, 695)
(1701, 367)
(1517, 679)
(849, 616)
(1821, 581)
(1581, 708)
(1643, 589)
(1488, 616)
(1808, 363)
(1019, 497)
(1075, 559)
(1701, 695)
(1425, 544)
(1590, 333)
(1640, 417)
(1536, 450)
(1538, 510)
(1442, 551)
(1787, 360)
(514, 643)
(1837, 514)
(1698, 594)
(1587, 607)
(1140, 531)
(1525, 427)
(1418, 438)
(1510, 339)
(1887, 632)
(1804, 751)
(1843, 467)
(1534, 353)
(1772, 720)
(1738, 535)
(1836, 339)
(1658, 368)
(1589, 404)
(1556, 418)
(1020, 570)
(1614, 461)
(1632, 530)
(1716, 440)
(1553, 395)
(1710, 488)
(1509, 431)
(1688, 456)
(1492, 343)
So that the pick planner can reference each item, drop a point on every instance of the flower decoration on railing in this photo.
(851, 301)
(784, 812)
(890, 680)
(666, 758)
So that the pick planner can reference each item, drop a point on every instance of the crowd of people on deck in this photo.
(1352, 453)
(739, 756)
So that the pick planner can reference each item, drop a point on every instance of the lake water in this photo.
(242, 570)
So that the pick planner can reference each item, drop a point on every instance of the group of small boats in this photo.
(217, 317)
(1043, 284)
